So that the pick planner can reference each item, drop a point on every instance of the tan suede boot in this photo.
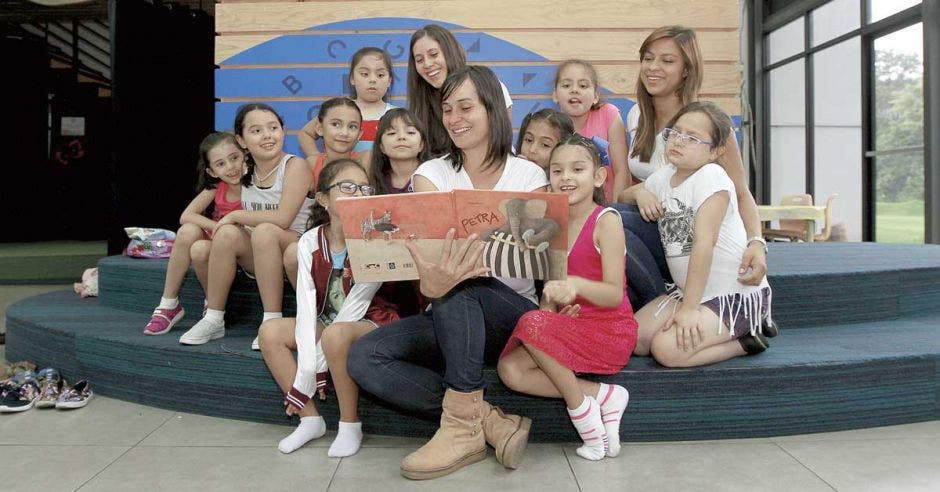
(508, 434)
(457, 443)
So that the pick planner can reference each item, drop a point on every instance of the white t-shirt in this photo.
(518, 175)
(680, 206)
(639, 169)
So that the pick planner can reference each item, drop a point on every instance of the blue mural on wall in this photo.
(245, 83)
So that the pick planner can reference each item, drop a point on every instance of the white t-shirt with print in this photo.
(518, 175)
(676, 228)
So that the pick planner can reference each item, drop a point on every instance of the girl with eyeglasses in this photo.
(326, 295)
(709, 314)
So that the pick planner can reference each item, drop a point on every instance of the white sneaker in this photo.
(202, 332)
(255, 345)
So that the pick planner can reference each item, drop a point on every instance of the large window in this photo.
(842, 103)
(898, 150)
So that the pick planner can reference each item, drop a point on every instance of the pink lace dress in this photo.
(600, 340)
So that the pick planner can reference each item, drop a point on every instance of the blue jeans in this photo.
(646, 261)
(412, 361)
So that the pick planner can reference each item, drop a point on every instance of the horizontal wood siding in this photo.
(294, 55)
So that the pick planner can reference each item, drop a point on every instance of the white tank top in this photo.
(639, 169)
(255, 199)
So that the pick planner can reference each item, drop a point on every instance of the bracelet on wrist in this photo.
(759, 239)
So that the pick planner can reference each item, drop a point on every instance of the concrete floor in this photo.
(114, 445)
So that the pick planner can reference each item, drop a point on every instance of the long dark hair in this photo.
(578, 140)
(318, 214)
(645, 139)
(380, 163)
(212, 140)
(423, 99)
(491, 96)
(556, 119)
(243, 111)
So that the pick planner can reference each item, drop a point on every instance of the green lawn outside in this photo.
(899, 222)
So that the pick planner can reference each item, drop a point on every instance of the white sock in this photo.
(215, 315)
(348, 439)
(272, 315)
(613, 399)
(169, 303)
(310, 428)
(587, 420)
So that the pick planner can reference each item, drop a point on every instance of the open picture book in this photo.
(525, 234)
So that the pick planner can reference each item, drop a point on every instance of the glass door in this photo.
(897, 156)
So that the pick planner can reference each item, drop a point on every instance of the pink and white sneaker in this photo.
(164, 319)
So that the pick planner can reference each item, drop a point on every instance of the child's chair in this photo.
(795, 229)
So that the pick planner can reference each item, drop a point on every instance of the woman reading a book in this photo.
(432, 363)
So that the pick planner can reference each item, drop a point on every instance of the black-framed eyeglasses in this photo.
(682, 138)
(350, 188)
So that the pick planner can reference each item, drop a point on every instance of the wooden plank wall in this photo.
(295, 54)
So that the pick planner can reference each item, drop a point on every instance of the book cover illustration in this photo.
(525, 234)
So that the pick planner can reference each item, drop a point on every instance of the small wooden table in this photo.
(809, 213)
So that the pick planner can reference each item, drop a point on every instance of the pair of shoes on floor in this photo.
(45, 391)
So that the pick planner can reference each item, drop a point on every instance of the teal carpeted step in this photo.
(823, 378)
(135, 285)
(51, 262)
(814, 284)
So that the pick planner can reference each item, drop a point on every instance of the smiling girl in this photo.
(585, 324)
(274, 215)
(220, 167)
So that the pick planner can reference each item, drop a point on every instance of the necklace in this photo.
(257, 180)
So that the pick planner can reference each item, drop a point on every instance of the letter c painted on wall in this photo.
(335, 42)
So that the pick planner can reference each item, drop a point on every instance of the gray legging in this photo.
(646, 261)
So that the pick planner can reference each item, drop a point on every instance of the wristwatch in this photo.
(759, 239)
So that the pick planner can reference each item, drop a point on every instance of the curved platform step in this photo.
(823, 378)
(814, 284)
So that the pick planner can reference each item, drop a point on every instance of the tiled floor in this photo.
(114, 445)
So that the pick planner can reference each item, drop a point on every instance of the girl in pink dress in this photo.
(586, 323)
(220, 169)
